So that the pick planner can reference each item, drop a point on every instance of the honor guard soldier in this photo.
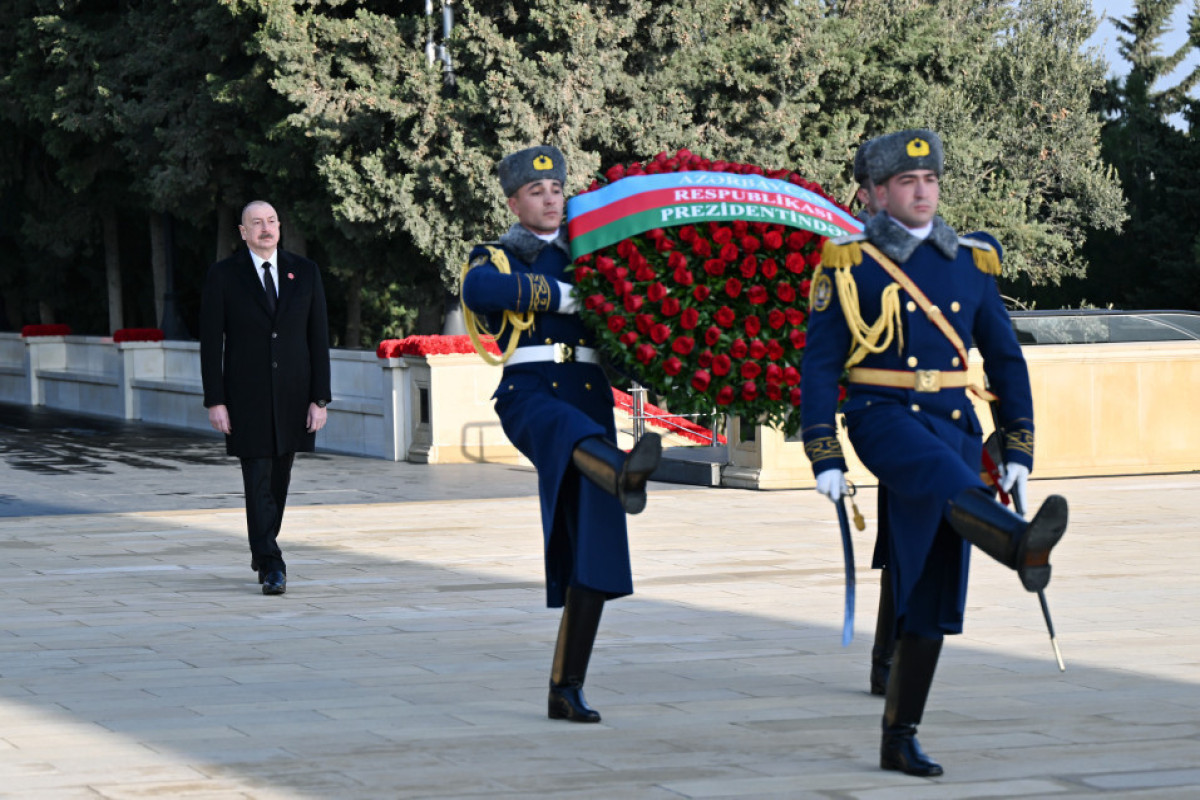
(556, 405)
(892, 308)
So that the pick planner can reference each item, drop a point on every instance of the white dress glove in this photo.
(1014, 481)
(832, 484)
(567, 302)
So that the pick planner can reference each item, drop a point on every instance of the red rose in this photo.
(729, 252)
(712, 335)
(733, 287)
(774, 374)
(637, 261)
(722, 235)
(583, 273)
(725, 396)
(785, 292)
(604, 264)
(753, 326)
(749, 390)
(687, 233)
(593, 301)
(791, 376)
(672, 366)
(805, 287)
(689, 319)
(615, 172)
(750, 369)
(774, 392)
(645, 353)
(739, 348)
(794, 316)
(797, 239)
(721, 364)
(643, 322)
(796, 396)
(701, 293)
(676, 260)
(616, 323)
(757, 348)
(625, 248)
(645, 273)
(776, 319)
(664, 245)
(701, 247)
(769, 268)
(659, 333)
(740, 226)
(750, 244)
(705, 358)
(654, 234)
(655, 292)
(714, 267)
(628, 338)
(814, 258)
(725, 316)
(774, 350)
(683, 345)
(607, 308)
(773, 240)
(749, 267)
(798, 338)
(684, 277)
(700, 380)
(633, 302)
(758, 295)
(635, 169)
(670, 306)
(795, 262)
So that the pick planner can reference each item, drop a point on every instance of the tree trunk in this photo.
(226, 232)
(112, 270)
(354, 311)
(158, 261)
(293, 237)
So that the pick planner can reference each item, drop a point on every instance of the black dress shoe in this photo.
(567, 702)
(901, 751)
(275, 582)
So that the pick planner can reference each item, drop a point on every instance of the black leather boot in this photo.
(885, 635)
(576, 635)
(1006, 537)
(908, 687)
(621, 474)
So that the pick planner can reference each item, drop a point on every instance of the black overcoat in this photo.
(265, 370)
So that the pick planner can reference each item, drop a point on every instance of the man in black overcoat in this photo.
(264, 359)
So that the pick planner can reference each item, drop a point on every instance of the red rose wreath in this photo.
(708, 313)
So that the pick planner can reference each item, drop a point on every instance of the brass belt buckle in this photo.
(928, 380)
(563, 353)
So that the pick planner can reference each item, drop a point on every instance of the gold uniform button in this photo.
(955, 307)
(955, 414)
(555, 384)
(954, 362)
(911, 306)
(511, 387)
(587, 386)
(549, 340)
(912, 361)
(916, 408)
(583, 341)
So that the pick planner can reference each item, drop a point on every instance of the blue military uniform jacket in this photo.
(547, 408)
(923, 446)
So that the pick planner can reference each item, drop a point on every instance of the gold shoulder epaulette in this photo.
(843, 252)
(986, 258)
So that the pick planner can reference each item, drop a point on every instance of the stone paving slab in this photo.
(410, 656)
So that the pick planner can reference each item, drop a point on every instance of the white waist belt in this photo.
(558, 353)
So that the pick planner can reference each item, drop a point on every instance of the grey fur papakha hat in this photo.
(860, 162)
(903, 151)
(529, 165)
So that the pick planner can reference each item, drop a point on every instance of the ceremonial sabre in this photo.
(848, 554)
(1017, 506)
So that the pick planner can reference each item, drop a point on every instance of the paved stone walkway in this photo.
(410, 656)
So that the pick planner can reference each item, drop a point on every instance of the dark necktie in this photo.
(269, 285)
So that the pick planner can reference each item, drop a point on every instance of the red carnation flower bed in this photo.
(138, 335)
(711, 315)
(30, 331)
(429, 346)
